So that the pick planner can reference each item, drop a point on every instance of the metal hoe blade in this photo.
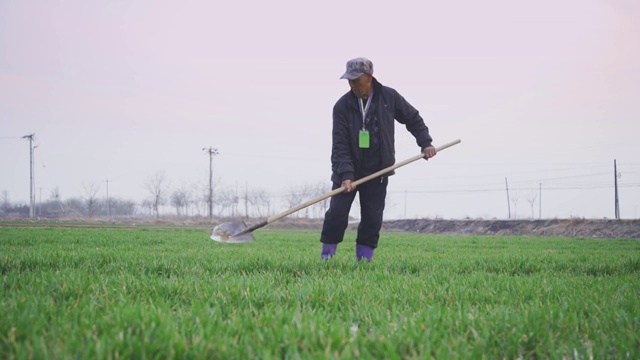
(228, 233)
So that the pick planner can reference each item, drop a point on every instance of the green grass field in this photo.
(100, 293)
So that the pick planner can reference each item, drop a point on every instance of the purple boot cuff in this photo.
(364, 252)
(328, 251)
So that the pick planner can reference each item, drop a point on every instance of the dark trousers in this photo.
(372, 201)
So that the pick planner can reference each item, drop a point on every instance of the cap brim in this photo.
(351, 75)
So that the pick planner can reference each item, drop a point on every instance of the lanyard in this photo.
(365, 109)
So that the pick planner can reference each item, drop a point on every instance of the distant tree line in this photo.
(183, 202)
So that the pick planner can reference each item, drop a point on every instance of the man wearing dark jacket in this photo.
(363, 143)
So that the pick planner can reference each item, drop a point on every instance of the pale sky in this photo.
(543, 92)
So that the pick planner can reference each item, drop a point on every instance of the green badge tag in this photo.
(364, 139)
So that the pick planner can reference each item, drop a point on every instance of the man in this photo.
(363, 143)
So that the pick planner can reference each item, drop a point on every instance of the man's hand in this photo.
(429, 152)
(348, 185)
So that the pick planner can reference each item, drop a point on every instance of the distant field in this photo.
(145, 293)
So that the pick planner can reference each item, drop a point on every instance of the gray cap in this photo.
(356, 67)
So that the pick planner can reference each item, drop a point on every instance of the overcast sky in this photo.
(544, 93)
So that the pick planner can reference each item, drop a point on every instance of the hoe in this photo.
(238, 232)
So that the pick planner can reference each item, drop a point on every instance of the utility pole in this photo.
(615, 181)
(236, 212)
(540, 203)
(508, 205)
(39, 207)
(108, 202)
(212, 152)
(246, 199)
(405, 204)
(32, 185)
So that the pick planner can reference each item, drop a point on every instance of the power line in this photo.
(258, 156)
(510, 173)
(510, 189)
(565, 177)
(557, 187)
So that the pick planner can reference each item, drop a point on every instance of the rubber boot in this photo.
(328, 251)
(364, 252)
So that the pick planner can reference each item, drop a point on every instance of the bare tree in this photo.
(121, 207)
(531, 199)
(74, 207)
(214, 185)
(199, 198)
(54, 198)
(55, 194)
(259, 200)
(320, 189)
(293, 198)
(180, 200)
(157, 188)
(5, 203)
(299, 194)
(514, 201)
(225, 199)
(91, 198)
(202, 197)
(147, 205)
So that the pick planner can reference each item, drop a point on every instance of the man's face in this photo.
(361, 86)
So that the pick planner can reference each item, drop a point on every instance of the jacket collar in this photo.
(377, 89)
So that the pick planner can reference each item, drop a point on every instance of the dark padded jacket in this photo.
(347, 121)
